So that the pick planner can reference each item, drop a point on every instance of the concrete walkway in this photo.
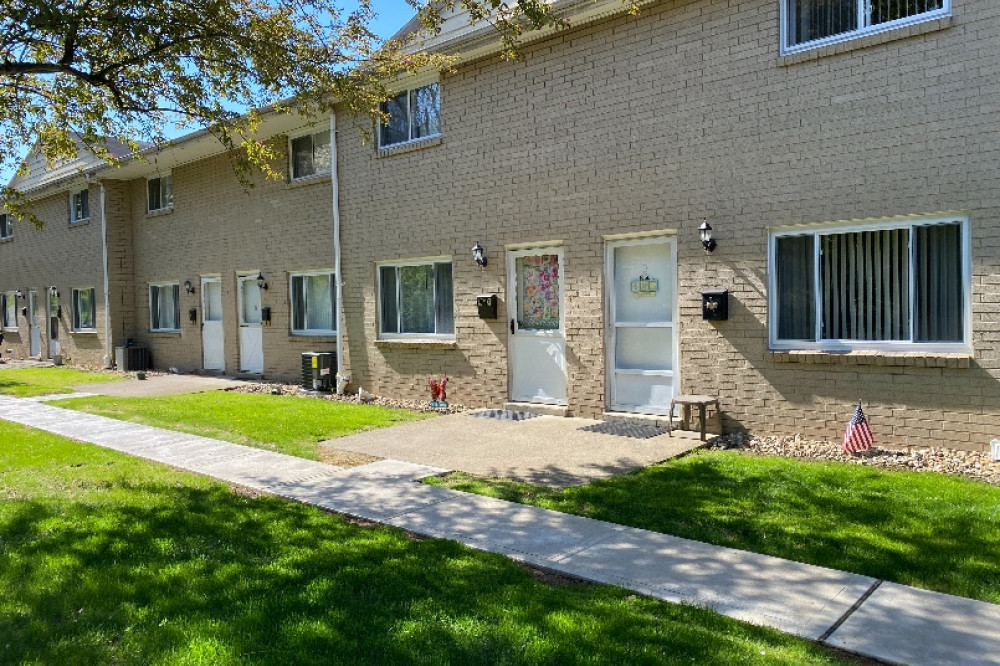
(859, 614)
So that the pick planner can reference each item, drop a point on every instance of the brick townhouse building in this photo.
(842, 152)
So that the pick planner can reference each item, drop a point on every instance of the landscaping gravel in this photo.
(970, 464)
(370, 399)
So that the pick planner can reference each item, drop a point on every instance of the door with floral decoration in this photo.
(537, 326)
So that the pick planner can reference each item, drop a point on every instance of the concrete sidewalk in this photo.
(859, 614)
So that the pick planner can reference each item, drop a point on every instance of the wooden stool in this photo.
(702, 401)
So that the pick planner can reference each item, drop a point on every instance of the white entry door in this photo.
(537, 329)
(642, 346)
(212, 335)
(251, 335)
(54, 347)
(34, 330)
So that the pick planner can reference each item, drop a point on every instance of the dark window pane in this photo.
(816, 19)
(938, 295)
(397, 129)
(390, 313)
(425, 110)
(796, 292)
(444, 299)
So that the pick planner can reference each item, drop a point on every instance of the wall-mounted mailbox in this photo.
(265, 314)
(487, 306)
(715, 304)
(193, 314)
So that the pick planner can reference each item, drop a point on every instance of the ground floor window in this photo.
(8, 310)
(84, 309)
(314, 303)
(164, 307)
(416, 299)
(902, 283)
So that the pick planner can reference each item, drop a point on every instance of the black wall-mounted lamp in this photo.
(188, 287)
(705, 231)
(19, 295)
(261, 282)
(479, 254)
(53, 292)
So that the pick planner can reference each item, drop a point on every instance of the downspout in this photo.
(342, 378)
(108, 358)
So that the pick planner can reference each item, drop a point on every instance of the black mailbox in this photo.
(487, 306)
(193, 315)
(715, 304)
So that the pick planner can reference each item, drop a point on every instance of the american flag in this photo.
(858, 436)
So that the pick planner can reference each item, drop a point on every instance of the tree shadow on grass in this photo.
(157, 572)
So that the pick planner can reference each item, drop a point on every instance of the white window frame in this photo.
(312, 332)
(76, 313)
(291, 154)
(162, 285)
(409, 91)
(164, 205)
(863, 20)
(907, 222)
(6, 227)
(73, 195)
(428, 261)
(7, 299)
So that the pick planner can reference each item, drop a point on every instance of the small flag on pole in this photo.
(858, 436)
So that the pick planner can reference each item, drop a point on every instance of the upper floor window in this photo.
(84, 309)
(809, 23)
(416, 299)
(164, 307)
(6, 228)
(79, 206)
(310, 155)
(413, 114)
(8, 310)
(159, 193)
(898, 284)
(314, 300)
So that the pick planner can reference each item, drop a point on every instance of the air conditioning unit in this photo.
(317, 370)
(132, 358)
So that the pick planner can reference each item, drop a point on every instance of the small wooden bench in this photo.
(702, 401)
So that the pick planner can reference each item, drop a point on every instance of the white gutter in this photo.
(341, 378)
(108, 358)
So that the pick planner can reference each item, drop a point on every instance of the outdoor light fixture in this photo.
(479, 254)
(261, 282)
(705, 231)
(187, 287)
(19, 294)
(54, 292)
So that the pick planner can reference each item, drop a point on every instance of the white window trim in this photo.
(318, 129)
(788, 49)
(313, 333)
(8, 297)
(75, 315)
(159, 176)
(450, 337)
(879, 224)
(73, 219)
(10, 227)
(408, 90)
(160, 285)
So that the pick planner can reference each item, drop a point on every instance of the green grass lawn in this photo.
(29, 382)
(277, 423)
(111, 559)
(932, 531)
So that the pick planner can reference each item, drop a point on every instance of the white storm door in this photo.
(34, 330)
(537, 328)
(54, 348)
(212, 334)
(642, 345)
(251, 334)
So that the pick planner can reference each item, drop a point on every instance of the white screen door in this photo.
(251, 334)
(537, 328)
(34, 330)
(54, 348)
(642, 345)
(212, 334)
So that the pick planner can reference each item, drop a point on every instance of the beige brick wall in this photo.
(63, 255)
(655, 122)
(217, 228)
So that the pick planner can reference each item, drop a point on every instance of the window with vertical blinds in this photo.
(811, 23)
(901, 284)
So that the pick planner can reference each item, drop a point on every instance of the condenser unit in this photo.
(317, 370)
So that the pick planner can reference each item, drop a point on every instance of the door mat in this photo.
(503, 415)
(625, 429)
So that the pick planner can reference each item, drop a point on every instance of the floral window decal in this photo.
(538, 292)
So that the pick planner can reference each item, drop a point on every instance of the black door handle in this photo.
(512, 327)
